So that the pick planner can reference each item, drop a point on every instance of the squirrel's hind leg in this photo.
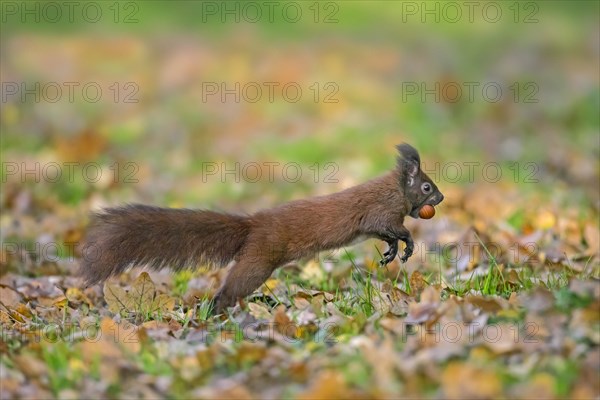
(244, 278)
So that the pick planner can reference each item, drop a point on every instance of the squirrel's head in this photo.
(419, 189)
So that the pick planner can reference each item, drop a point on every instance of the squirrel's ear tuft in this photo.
(408, 153)
(409, 162)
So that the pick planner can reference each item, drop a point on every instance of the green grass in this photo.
(65, 366)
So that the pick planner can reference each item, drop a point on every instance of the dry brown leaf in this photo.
(162, 303)
(538, 300)
(462, 380)
(206, 357)
(10, 297)
(157, 330)
(225, 388)
(117, 298)
(417, 283)
(327, 385)
(592, 238)
(142, 298)
(250, 353)
(283, 323)
(426, 308)
(309, 294)
(155, 325)
(76, 296)
(502, 338)
(5, 318)
(259, 311)
(83, 147)
(123, 334)
(301, 303)
(399, 301)
(142, 293)
(539, 386)
(491, 304)
(188, 367)
(30, 366)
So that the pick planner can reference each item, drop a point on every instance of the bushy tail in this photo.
(122, 237)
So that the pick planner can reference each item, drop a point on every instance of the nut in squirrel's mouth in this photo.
(418, 211)
(427, 211)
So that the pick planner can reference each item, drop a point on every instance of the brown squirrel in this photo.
(178, 238)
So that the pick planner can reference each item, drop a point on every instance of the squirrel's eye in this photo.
(426, 187)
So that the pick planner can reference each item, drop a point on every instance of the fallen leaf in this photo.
(502, 338)
(545, 219)
(30, 366)
(426, 308)
(491, 304)
(462, 380)
(117, 298)
(326, 385)
(538, 300)
(283, 323)
(417, 283)
(162, 303)
(142, 293)
(76, 296)
(313, 272)
(259, 311)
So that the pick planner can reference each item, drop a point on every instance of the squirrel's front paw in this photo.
(408, 251)
(386, 259)
(390, 254)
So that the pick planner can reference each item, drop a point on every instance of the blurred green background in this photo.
(372, 74)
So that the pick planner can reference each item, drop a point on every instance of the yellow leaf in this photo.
(142, 293)
(509, 314)
(61, 302)
(271, 283)
(23, 310)
(117, 298)
(77, 296)
(5, 318)
(371, 264)
(312, 272)
(461, 380)
(163, 302)
(545, 220)
(249, 352)
(77, 365)
(326, 385)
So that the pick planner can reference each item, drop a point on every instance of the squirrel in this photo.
(121, 237)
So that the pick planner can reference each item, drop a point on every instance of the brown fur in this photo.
(178, 238)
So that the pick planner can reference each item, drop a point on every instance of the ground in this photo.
(500, 299)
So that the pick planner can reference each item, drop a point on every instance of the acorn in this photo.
(427, 212)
